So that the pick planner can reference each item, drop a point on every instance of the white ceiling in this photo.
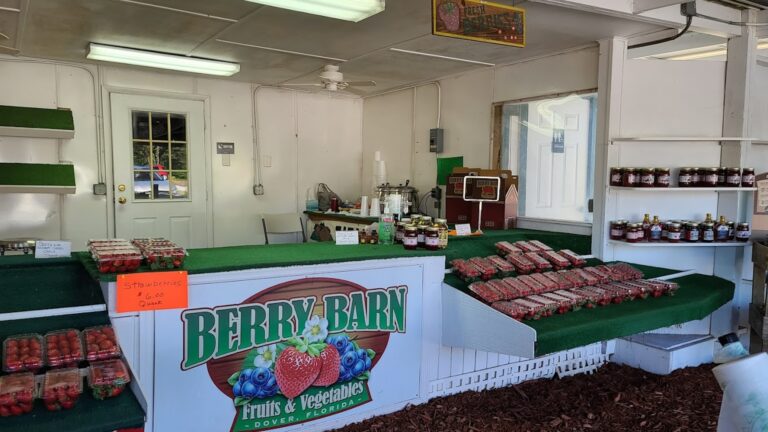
(62, 29)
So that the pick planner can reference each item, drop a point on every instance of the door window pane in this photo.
(160, 168)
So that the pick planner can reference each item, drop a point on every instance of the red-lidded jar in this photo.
(647, 177)
(709, 179)
(616, 178)
(743, 233)
(634, 233)
(733, 177)
(411, 238)
(721, 174)
(674, 232)
(685, 177)
(618, 229)
(696, 177)
(692, 232)
(662, 177)
(630, 178)
(748, 177)
(432, 238)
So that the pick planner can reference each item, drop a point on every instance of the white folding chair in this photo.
(283, 223)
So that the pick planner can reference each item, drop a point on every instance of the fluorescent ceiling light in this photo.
(720, 50)
(162, 61)
(347, 10)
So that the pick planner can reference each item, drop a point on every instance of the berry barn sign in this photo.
(301, 350)
(479, 20)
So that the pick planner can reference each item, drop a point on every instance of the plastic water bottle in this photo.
(386, 226)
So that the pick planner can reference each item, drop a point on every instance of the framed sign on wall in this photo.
(479, 20)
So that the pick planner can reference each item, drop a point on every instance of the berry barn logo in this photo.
(297, 351)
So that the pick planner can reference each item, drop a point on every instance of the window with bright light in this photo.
(550, 144)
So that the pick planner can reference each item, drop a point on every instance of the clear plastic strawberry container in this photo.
(61, 389)
(575, 259)
(108, 378)
(572, 278)
(465, 271)
(64, 348)
(541, 246)
(533, 310)
(549, 284)
(540, 263)
(117, 260)
(551, 305)
(510, 309)
(485, 292)
(578, 301)
(561, 281)
(522, 264)
(487, 269)
(504, 267)
(23, 353)
(506, 292)
(535, 286)
(592, 298)
(100, 343)
(505, 248)
(589, 278)
(564, 304)
(165, 257)
(557, 261)
(17, 394)
(526, 246)
(521, 289)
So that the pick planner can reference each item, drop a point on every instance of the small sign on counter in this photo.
(463, 230)
(53, 249)
(351, 237)
(140, 292)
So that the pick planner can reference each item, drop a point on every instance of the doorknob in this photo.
(122, 200)
(121, 188)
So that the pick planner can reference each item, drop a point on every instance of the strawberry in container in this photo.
(588, 277)
(550, 307)
(665, 287)
(165, 257)
(629, 272)
(604, 297)
(522, 264)
(549, 284)
(564, 304)
(654, 290)
(532, 310)
(557, 278)
(526, 246)
(17, 394)
(64, 348)
(504, 267)
(487, 269)
(619, 295)
(637, 293)
(600, 274)
(578, 301)
(100, 343)
(541, 246)
(573, 278)
(485, 292)
(575, 259)
(465, 271)
(520, 289)
(62, 389)
(108, 378)
(510, 309)
(23, 353)
(541, 264)
(503, 288)
(505, 248)
(557, 261)
(593, 299)
(532, 283)
(118, 260)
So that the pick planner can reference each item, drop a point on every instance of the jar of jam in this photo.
(647, 177)
(634, 233)
(426, 220)
(400, 232)
(709, 177)
(442, 226)
(721, 230)
(695, 177)
(432, 238)
(616, 177)
(411, 238)
(685, 177)
(692, 233)
(420, 232)
(630, 178)
(662, 177)
(674, 232)
(618, 229)
(665, 229)
(707, 232)
(743, 233)
(733, 177)
(655, 230)
(721, 174)
(748, 177)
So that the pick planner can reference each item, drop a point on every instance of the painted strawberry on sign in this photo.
(329, 371)
(450, 14)
(298, 366)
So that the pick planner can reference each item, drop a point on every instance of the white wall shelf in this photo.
(681, 244)
(680, 139)
(683, 189)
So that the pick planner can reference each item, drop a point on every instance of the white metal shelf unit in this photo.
(679, 139)
(683, 189)
(681, 244)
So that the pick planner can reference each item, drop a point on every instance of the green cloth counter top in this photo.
(215, 260)
(89, 414)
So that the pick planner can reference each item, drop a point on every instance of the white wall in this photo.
(309, 138)
(759, 117)
(398, 123)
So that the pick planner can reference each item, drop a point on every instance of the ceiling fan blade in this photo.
(304, 84)
(361, 83)
(9, 50)
(354, 91)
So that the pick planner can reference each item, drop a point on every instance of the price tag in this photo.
(347, 237)
(463, 230)
(53, 249)
(138, 292)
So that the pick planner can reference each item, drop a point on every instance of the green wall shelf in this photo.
(37, 178)
(36, 122)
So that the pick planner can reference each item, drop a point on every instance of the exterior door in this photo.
(159, 169)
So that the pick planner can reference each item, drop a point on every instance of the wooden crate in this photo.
(758, 309)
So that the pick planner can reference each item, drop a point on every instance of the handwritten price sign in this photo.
(141, 292)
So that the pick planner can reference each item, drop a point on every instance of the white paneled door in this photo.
(158, 150)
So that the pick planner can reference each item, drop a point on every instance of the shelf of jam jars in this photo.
(684, 189)
(680, 244)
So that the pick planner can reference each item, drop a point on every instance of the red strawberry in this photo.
(329, 371)
(295, 371)
(450, 14)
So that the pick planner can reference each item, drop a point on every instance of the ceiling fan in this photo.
(333, 80)
(7, 49)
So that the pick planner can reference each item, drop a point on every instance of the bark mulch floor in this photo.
(615, 398)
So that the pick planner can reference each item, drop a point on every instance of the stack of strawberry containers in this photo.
(115, 255)
(161, 253)
(60, 355)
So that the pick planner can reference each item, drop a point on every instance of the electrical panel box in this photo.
(436, 140)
